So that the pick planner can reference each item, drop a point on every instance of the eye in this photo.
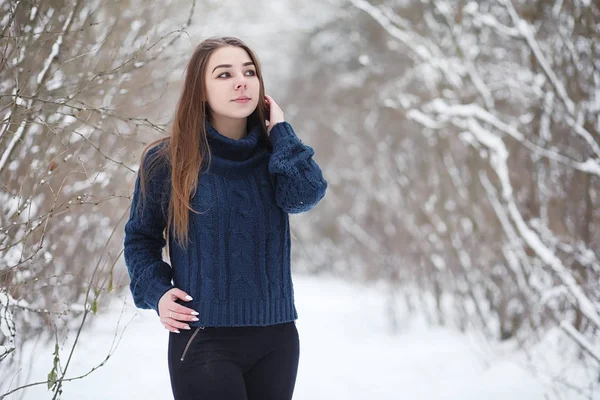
(252, 73)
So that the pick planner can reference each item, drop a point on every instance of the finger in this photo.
(182, 309)
(180, 294)
(181, 317)
(176, 324)
(170, 328)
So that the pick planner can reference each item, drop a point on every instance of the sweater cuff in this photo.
(283, 135)
(155, 291)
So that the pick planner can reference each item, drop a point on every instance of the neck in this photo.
(233, 128)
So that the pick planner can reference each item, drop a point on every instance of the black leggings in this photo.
(234, 363)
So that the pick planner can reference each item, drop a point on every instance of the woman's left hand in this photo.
(275, 112)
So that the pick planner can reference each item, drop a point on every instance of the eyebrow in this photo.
(229, 65)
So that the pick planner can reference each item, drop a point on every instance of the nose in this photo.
(241, 83)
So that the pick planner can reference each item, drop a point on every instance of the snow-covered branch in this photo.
(7, 324)
(56, 47)
(17, 136)
(581, 340)
(499, 163)
(506, 96)
(470, 114)
(468, 57)
(490, 21)
(527, 33)
(445, 112)
(423, 48)
(515, 253)
(71, 108)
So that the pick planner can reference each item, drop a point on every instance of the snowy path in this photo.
(345, 354)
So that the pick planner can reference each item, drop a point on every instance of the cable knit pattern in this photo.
(236, 265)
(300, 183)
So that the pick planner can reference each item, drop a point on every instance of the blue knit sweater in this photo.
(236, 265)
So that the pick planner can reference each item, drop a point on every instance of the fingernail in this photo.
(188, 297)
(195, 319)
(194, 313)
(187, 327)
(177, 331)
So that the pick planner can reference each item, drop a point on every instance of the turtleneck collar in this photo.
(224, 147)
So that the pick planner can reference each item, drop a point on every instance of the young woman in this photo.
(221, 187)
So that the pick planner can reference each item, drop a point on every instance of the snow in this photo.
(446, 111)
(13, 142)
(492, 22)
(581, 340)
(526, 30)
(347, 352)
(55, 50)
(7, 325)
(499, 163)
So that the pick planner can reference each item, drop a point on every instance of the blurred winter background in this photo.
(455, 256)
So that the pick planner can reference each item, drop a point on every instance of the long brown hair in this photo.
(187, 146)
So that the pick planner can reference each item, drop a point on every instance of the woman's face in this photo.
(230, 74)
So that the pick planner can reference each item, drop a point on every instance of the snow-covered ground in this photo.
(347, 352)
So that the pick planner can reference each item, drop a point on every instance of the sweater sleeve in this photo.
(150, 276)
(299, 182)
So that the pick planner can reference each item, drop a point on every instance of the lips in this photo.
(242, 98)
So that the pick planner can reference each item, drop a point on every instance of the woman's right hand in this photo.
(172, 313)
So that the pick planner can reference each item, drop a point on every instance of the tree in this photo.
(79, 96)
(466, 146)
